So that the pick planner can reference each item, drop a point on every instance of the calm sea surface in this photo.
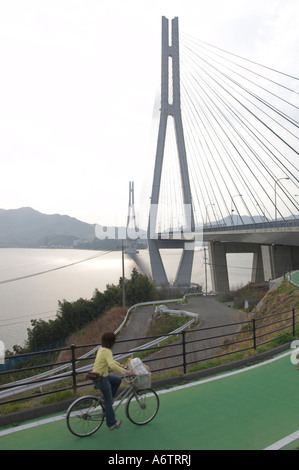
(36, 279)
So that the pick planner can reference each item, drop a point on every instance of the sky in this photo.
(79, 88)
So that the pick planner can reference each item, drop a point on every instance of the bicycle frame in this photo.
(121, 397)
(125, 393)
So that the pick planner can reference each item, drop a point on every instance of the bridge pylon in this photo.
(132, 229)
(170, 106)
(131, 219)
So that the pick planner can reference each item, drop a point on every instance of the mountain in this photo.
(28, 228)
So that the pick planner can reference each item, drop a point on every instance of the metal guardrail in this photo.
(251, 327)
(57, 374)
(288, 223)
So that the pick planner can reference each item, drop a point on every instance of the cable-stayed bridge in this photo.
(226, 166)
(240, 123)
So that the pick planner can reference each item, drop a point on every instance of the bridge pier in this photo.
(218, 266)
(278, 259)
(257, 273)
(184, 271)
(269, 261)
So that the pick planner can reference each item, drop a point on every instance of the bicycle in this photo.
(86, 414)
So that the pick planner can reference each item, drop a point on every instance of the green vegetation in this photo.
(162, 325)
(252, 293)
(284, 297)
(165, 323)
(281, 301)
(73, 316)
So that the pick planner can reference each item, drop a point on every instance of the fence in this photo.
(186, 348)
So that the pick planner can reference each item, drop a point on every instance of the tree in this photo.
(73, 316)
(140, 288)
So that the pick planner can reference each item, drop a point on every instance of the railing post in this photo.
(254, 333)
(184, 350)
(294, 323)
(73, 348)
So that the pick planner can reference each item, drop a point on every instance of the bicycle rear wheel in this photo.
(142, 406)
(85, 416)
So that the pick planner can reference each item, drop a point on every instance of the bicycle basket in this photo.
(142, 373)
(143, 381)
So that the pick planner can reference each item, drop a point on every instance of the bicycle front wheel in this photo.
(85, 416)
(142, 406)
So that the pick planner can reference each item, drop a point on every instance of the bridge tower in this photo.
(131, 208)
(132, 233)
(170, 109)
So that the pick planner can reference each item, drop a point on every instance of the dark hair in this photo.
(108, 339)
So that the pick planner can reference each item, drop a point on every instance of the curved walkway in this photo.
(212, 313)
(253, 408)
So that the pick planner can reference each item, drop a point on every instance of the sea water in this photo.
(33, 281)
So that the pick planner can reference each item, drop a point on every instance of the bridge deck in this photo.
(252, 408)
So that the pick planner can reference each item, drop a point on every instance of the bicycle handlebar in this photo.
(129, 378)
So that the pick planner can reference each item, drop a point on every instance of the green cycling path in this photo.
(247, 409)
(294, 277)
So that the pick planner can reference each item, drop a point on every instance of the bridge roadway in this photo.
(265, 233)
(254, 408)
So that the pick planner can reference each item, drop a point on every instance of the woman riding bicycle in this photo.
(108, 383)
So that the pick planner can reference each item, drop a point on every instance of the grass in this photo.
(93, 332)
(279, 300)
(165, 323)
(252, 292)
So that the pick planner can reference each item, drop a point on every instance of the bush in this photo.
(73, 316)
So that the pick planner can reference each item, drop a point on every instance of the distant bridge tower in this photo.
(131, 220)
(170, 107)
(132, 233)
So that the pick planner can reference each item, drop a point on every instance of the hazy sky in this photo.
(78, 84)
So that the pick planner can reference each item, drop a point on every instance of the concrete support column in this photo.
(295, 257)
(277, 260)
(184, 272)
(218, 266)
(257, 273)
(158, 271)
(282, 258)
(268, 262)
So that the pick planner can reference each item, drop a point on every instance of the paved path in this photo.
(137, 328)
(212, 313)
(295, 278)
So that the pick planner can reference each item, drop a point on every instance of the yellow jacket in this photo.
(104, 361)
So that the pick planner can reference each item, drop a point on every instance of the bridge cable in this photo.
(241, 119)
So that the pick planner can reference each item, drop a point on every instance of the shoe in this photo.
(115, 426)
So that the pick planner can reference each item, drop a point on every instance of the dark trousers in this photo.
(109, 386)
